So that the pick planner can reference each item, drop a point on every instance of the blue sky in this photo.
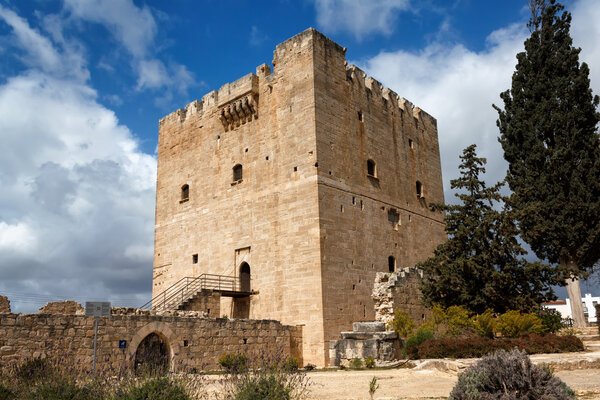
(84, 83)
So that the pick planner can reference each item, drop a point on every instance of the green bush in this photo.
(477, 346)
(290, 364)
(63, 389)
(509, 375)
(160, 388)
(6, 393)
(370, 362)
(551, 319)
(402, 324)
(513, 324)
(356, 363)
(234, 362)
(485, 324)
(34, 369)
(267, 387)
(451, 321)
(309, 367)
(411, 347)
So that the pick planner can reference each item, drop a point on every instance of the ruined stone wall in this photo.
(399, 291)
(192, 342)
(207, 301)
(62, 307)
(4, 304)
(367, 218)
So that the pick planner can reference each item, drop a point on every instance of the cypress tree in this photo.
(481, 265)
(548, 130)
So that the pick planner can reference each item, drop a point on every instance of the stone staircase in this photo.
(590, 337)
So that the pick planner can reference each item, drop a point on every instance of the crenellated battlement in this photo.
(311, 177)
(356, 76)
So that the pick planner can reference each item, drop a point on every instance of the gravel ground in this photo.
(407, 384)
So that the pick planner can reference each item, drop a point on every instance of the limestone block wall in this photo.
(4, 304)
(313, 174)
(379, 169)
(192, 342)
(263, 122)
(399, 291)
(62, 307)
(207, 301)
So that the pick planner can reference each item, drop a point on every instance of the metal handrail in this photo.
(187, 287)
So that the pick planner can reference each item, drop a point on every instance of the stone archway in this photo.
(154, 338)
(152, 355)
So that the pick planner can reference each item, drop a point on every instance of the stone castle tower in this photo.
(308, 179)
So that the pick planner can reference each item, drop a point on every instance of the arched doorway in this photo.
(245, 277)
(241, 305)
(152, 355)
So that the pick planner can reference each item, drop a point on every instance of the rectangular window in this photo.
(195, 259)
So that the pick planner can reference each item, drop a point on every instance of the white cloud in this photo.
(458, 86)
(18, 237)
(134, 28)
(77, 194)
(39, 50)
(359, 17)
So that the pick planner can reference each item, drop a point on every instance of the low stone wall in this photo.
(192, 341)
(399, 291)
(4, 305)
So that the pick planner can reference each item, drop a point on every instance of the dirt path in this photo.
(401, 384)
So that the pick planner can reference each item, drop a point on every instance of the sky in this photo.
(83, 84)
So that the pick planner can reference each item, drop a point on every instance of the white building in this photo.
(564, 307)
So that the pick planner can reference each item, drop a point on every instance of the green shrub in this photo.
(509, 375)
(290, 364)
(370, 362)
(34, 369)
(272, 381)
(6, 393)
(356, 363)
(551, 319)
(234, 362)
(267, 387)
(309, 367)
(451, 321)
(63, 389)
(485, 324)
(411, 347)
(402, 324)
(159, 388)
(477, 346)
(513, 324)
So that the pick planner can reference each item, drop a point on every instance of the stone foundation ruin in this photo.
(391, 291)
(188, 340)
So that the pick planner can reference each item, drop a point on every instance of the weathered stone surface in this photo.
(370, 326)
(399, 291)
(327, 198)
(194, 342)
(4, 304)
(62, 307)
(382, 346)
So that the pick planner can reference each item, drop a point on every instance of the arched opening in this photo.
(419, 187)
(152, 355)
(371, 168)
(391, 263)
(245, 277)
(185, 192)
(237, 173)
